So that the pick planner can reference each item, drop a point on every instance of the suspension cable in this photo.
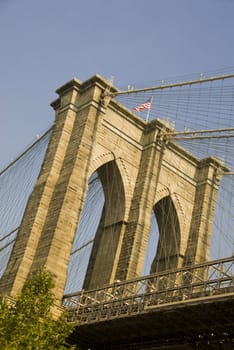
(167, 86)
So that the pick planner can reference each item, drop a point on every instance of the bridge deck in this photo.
(180, 304)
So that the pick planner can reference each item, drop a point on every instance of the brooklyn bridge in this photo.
(128, 200)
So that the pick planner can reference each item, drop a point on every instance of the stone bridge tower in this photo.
(141, 171)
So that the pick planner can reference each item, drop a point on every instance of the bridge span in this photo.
(105, 196)
(169, 308)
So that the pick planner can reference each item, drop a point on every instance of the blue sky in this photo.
(45, 43)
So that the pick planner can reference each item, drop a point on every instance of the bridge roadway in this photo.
(182, 309)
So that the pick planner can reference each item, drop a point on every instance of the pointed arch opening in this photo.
(84, 236)
(99, 230)
(152, 245)
(165, 238)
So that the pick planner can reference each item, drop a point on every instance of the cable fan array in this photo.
(16, 184)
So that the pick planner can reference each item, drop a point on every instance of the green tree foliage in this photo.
(27, 324)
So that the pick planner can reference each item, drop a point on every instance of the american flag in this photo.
(145, 105)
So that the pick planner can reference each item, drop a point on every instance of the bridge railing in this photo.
(207, 280)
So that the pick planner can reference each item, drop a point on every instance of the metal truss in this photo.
(214, 279)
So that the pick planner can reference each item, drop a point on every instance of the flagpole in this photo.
(148, 113)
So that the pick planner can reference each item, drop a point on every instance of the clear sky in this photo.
(46, 43)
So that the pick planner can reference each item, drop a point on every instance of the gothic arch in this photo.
(104, 158)
(109, 234)
(164, 192)
(169, 226)
(99, 160)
